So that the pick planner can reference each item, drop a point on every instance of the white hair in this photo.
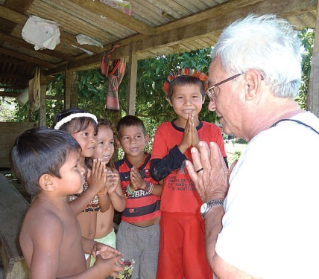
(266, 44)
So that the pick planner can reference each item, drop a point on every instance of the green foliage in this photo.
(7, 112)
(307, 39)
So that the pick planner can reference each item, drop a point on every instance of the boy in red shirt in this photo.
(182, 244)
(138, 234)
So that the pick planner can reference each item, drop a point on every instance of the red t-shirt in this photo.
(179, 192)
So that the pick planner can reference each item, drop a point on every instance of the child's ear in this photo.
(46, 182)
(170, 102)
(147, 138)
(118, 143)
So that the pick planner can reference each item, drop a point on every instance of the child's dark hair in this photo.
(38, 151)
(128, 121)
(75, 125)
(185, 80)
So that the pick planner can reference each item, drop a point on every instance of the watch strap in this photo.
(212, 203)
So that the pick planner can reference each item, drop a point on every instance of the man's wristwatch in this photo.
(208, 205)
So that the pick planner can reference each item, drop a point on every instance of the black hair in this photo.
(128, 121)
(75, 125)
(38, 151)
(185, 80)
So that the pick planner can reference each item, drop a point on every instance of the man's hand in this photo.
(208, 172)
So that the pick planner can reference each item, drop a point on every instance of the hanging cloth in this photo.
(107, 61)
(115, 79)
(114, 70)
(34, 91)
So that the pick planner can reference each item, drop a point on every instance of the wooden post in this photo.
(131, 99)
(67, 88)
(74, 90)
(70, 89)
(313, 94)
(43, 89)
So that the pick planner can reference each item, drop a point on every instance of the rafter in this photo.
(123, 19)
(65, 37)
(215, 19)
(26, 58)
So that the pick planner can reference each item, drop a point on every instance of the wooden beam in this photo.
(26, 58)
(12, 87)
(16, 77)
(215, 20)
(22, 43)
(123, 19)
(14, 61)
(15, 94)
(67, 89)
(56, 70)
(313, 94)
(74, 90)
(42, 110)
(19, 6)
(64, 36)
(131, 96)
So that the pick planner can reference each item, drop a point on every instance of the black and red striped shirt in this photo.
(141, 206)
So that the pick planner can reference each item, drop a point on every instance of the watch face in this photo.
(203, 207)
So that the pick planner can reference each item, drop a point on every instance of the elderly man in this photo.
(262, 216)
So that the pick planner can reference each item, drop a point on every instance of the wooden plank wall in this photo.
(8, 133)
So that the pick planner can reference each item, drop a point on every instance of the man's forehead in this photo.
(215, 68)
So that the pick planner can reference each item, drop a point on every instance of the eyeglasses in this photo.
(213, 91)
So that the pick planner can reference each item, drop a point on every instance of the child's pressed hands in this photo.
(136, 179)
(114, 182)
(97, 179)
(187, 136)
(195, 138)
(109, 180)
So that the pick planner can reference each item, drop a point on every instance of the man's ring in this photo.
(199, 170)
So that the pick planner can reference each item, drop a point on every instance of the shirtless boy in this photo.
(46, 161)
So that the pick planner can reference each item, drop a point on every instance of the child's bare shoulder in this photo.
(42, 215)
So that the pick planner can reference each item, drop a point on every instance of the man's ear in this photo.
(253, 83)
(170, 102)
(46, 182)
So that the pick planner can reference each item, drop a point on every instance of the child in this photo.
(182, 244)
(105, 149)
(82, 126)
(138, 234)
(47, 162)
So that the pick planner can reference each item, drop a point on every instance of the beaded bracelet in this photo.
(128, 190)
(102, 193)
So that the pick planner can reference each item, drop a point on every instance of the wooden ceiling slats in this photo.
(155, 27)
